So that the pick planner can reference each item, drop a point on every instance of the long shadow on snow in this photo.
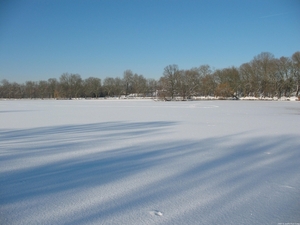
(43, 132)
(58, 139)
(95, 168)
(218, 174)
(227, 184)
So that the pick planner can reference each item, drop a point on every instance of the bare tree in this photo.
(92, 86)
(139, 84)
(53, 88)
(192, 77)
(284, 76)
(249, 80)
(264, 67)
(127, 80)
(182, 86)
(208, 85)
(11, 90)
(296, 70)
(30, 89)
(6, 89)
(233, 79)
(76, 84)
(263, 76)
(118, 89)
(170, 79)
(43, 89)
(17, 90)
(109, 85)
(113, 86)
(65, 85)
(224, 90)
(71, 85)
(152, 87)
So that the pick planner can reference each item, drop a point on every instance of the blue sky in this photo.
(41, 39)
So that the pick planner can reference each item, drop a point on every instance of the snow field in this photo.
(146, 162)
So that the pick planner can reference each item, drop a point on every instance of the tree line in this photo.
(263, 76)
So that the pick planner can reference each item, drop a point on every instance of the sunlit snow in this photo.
(147, 162)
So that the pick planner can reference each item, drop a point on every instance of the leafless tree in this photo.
(224, 90)
(265, 75)
(43, 89)
(119, 87)
(296, 70)
(30, 89)
(139, 84)
(170, 80)
(127, 81)
(71, 85)
(192, 78)
(284, 76)
(233, 79)
(152, 87)
(249, 80)
(108, 85)
(53, 88)
(5, 89)
(92, 86)
(182, 86)
(264, 67)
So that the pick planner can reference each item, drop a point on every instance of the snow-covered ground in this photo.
(147, 162)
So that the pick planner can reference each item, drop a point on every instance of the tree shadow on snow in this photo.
(203, 181)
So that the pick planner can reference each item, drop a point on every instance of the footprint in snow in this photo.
(156, 213)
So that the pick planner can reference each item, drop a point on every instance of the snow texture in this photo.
(146, 162)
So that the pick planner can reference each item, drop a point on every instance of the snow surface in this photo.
(147, 162)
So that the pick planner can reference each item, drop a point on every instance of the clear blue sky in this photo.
(41, 39)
